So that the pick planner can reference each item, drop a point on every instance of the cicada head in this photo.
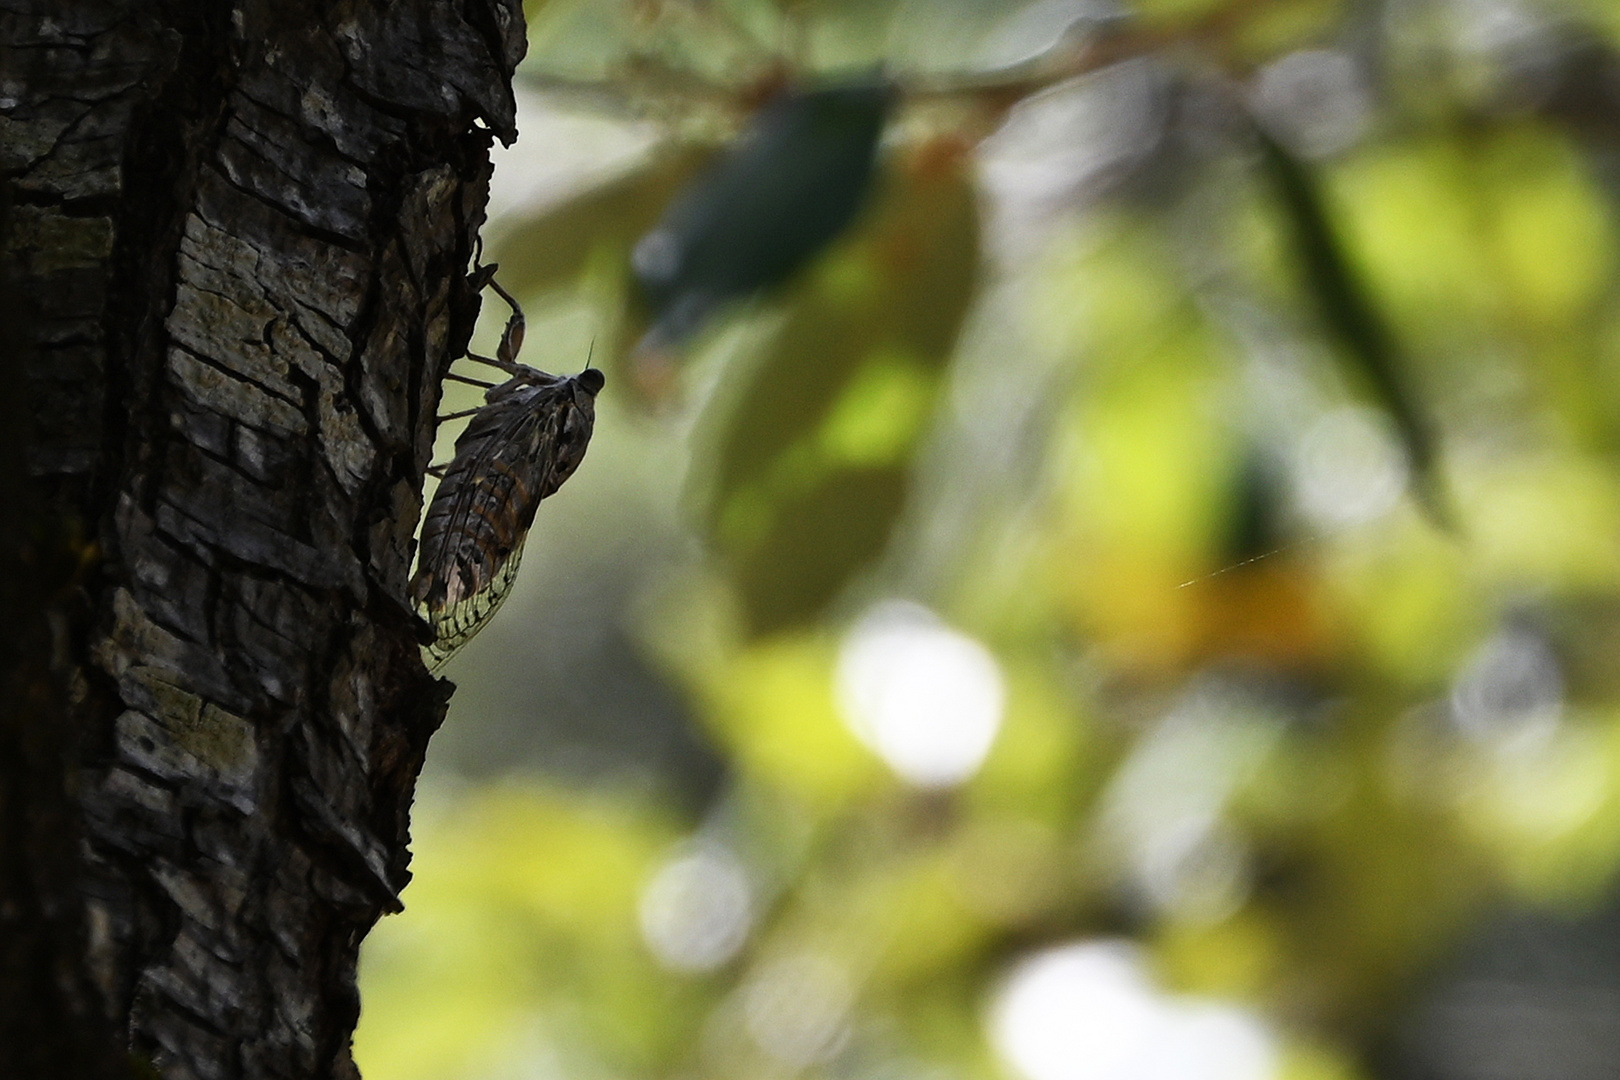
(574, 433)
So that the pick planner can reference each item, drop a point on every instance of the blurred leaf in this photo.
(1495, 252)
(1552, 518)
(1310, 1062)
(1255, 506)
(774, 709)
(1349, 313)
(1149, 502)
(1408, 788)
(1547, 212)
(893, 296)
(812, 449)
(1268, 30)
(1236, 957)
(1178, 10)
(925, 244)
(880, 414)
(550, 249)
(522, 901)
(1046, 761)
(784, 189)
(584, 38)
(783, 400)
(1543, 211)
(1408, 209)
(913, 908)
(1410, 606)
(1552, 817)
(591, 233)
(1361, 896)
(814, 542)
(1113, 291)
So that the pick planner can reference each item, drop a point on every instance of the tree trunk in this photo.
(236, 240)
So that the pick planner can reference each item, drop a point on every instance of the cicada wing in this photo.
(457, 623)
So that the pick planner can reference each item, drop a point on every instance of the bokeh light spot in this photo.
(697, 910)
(1315, 98)
(796, 1009)
(926, 699)
(1510, 691)
(1088, 1011)
(1349, 469)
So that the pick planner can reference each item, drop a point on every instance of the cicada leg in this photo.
(506, 354)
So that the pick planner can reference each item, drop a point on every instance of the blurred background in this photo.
(1100, 556)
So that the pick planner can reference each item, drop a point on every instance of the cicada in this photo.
(520, 445)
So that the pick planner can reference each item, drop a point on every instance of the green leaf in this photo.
(840, 397)
(1350, 315)
(551, 249)
(813, 543)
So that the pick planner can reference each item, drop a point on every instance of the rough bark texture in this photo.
(236, 242)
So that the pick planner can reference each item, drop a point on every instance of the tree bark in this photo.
(236, 242)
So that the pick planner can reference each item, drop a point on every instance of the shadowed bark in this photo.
(234, 273)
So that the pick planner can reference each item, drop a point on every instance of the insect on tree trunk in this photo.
(235, 250)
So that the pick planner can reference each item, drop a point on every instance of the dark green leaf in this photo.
(1351, 316)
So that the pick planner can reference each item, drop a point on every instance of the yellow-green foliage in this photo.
(1093, 454)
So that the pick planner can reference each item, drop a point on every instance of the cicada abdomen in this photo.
(525, 440)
